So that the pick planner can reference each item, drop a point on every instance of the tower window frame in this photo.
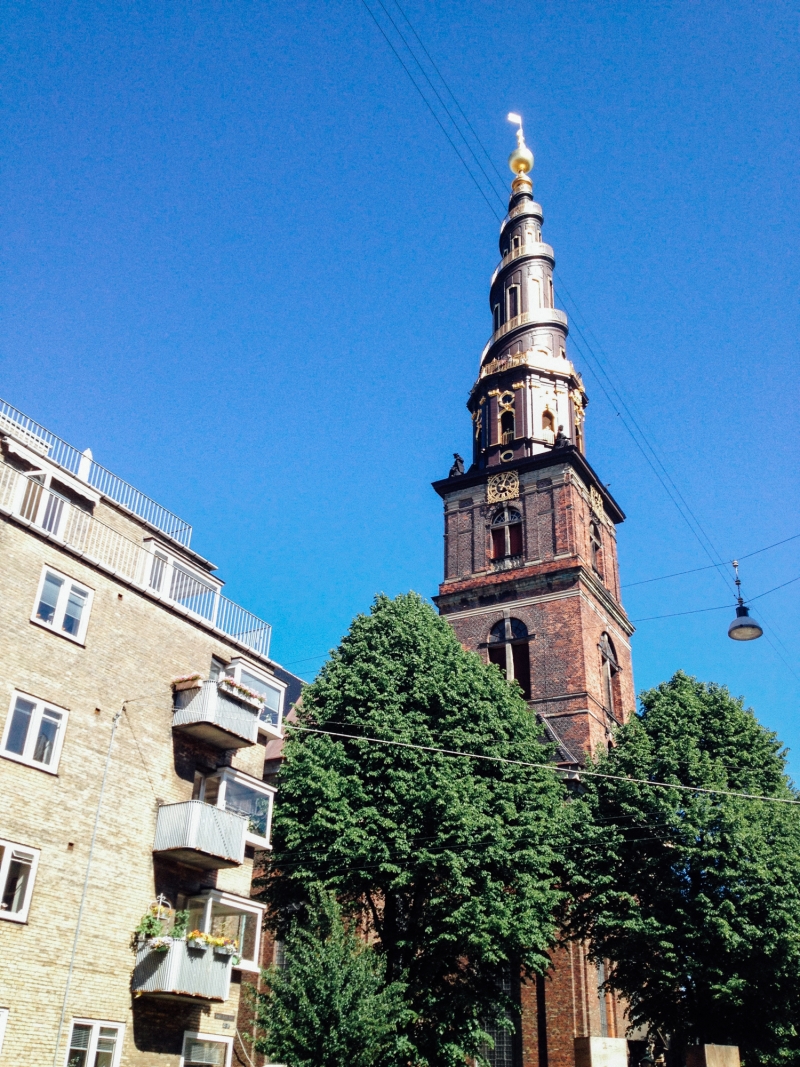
(596, 546)
(496, 317)
(609, 671)
(506, 533)
(508, 647)
(513, 305)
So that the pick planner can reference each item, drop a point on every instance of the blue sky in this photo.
(243, 264)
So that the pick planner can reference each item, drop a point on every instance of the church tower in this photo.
(531, 579)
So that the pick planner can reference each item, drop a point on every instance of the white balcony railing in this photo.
(121, 492)
(159, 576)
(182, 971)
(211, 714)
(200, 834)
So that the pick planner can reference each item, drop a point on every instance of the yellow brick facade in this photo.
(133, 647)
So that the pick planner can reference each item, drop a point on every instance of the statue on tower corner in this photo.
(561, 440)
(458, 466)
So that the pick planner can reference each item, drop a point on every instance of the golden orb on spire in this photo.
(521, 159)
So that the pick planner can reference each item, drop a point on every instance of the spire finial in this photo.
(521, 159)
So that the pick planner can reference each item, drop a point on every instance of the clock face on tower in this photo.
(503, 486)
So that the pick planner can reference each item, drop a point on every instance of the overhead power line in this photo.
(455, 753)
(707, 567)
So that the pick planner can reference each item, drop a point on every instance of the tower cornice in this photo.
(568, 455)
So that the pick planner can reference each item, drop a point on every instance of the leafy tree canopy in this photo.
(448, 862)
(695, 898)
(329, 1004)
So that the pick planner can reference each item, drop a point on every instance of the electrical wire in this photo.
(708, 566)
(429, 107)
(543, 766)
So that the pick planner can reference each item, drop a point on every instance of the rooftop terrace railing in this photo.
(159, 576)
(121, 492)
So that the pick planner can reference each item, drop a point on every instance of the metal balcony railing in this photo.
(182, 971)
(210, 714)
(80, 532)
(83, 466)
(200, 834)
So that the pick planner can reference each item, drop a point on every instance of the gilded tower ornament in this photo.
(503, 486)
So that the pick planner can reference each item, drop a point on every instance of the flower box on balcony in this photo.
(241, 693)
(191, 681)
(198, 943)
(225, 950)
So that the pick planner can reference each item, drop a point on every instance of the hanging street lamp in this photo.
(743, 628)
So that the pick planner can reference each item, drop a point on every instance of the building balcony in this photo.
(181, 971)
(200, 834)
(216, 717)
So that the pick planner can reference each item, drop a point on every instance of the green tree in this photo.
(329, 1004)
(695, 898)
(447, 862)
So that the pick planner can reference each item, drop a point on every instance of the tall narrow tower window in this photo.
(506, 533)
(507, 427)
(496, 317)
(548, 421)
(536, 292)
(516, 241)
(596, 546)
(550, 288)
(608, 670)
(513, 301)
(508, 647)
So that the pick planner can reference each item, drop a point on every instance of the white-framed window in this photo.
(3, 1025)
(512, 302)
(94, 1044)
(243, 795)
(62, 605)
(268, 686)
(18, 865)
(34, 732)
(206, 1050)
(225, 915)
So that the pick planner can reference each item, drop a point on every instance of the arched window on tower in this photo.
(548, 421)
(507, 427)
(609, 668)
(506, 533)
(516, 241)
(513, 301)
(596, 544)
(496, 317)
(550, 290)
(508, 646)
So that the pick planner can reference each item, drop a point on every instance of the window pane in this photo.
(196, 907)
(46, 741)
(106, 1044)
(243, 800)
(515, 539)
(20, 722)
(49, 598)
(75, 605)
(16, 882)
(211, 792)
(79, 1045)
(203, 1053)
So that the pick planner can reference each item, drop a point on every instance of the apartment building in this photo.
(136, 703)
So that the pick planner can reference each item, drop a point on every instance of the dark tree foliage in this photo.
(695, 898)
(448, 862)
(329, 1004)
